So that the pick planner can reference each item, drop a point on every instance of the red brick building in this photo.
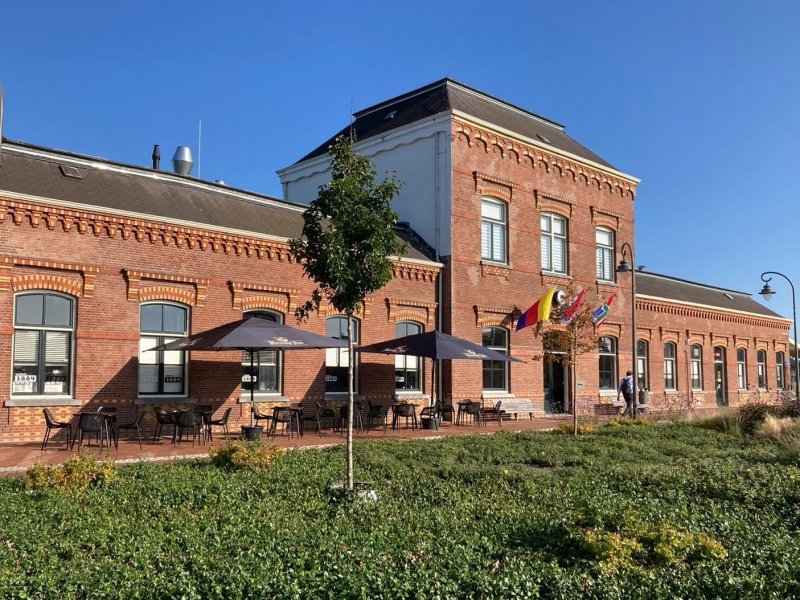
(514, 206)
(100, 261)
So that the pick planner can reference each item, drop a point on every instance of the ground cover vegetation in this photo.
(625, 511)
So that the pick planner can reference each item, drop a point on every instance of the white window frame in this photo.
(763, 382)
(604, 256)
(502, 349)
(279, 358)
(549, 238)
(72, 351)
(339, 355)
(741, 369)
(780, 370)
(491, 226)
(670, 366)
(172, 336)
(696, 367)
(643, 365)
(603, 354)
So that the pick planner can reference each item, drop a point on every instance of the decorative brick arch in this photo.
(56, 283)
(163, 292)
(264, 302)
(490, 316)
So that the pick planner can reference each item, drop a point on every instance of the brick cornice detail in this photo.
(486, 185)
(410, 310)
(98, 224)
(483, 140)
(8, 281)
(605, 218)
(277, 298)
(327, 310)
(486, 316)
(705, 313)
(139, 293)
(499, 270)
(407, 270)
(555, 204)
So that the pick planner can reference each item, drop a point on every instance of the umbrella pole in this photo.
(433, 382)
(252, 389)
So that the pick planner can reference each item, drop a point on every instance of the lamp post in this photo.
(626, 267)
(767, 292)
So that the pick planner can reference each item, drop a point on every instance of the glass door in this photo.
(720, 379)
(556, 394)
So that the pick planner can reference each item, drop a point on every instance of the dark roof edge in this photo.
(138, 169)
(446, 81)
(703, 285)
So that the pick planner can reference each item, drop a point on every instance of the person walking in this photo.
(626, 390)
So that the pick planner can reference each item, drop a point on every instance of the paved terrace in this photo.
(17, 457)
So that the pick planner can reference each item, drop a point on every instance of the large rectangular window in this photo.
(761, 360)
(608, 363)
(42, 349)
(780, 369)
(495, 372)
(604, 254)
(554, 243)
(160, 372)
(741, 368)
(265, 375)
(642, 365)
(696, 360)
(337, 359)
(493, 230)
(407, 369)
(670, 378)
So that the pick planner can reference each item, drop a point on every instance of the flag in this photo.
(540, 311)
(601, 314)
(570, 311)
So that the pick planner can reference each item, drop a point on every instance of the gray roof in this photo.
(672, 288)
(110, 186)
(448, 94)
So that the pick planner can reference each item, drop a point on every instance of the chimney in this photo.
(156, 157)
(182, 162)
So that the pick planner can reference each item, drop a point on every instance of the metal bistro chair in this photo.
(322, 413)
(53, 424)
(259, 416)
(493, 412)
(406, 411)
(377, 412)
(163, 418)
(284, 416)
(474, 410)
(191, 421)
(133, 426)
(221, 422)
(461, 415)
(431, 414)
(358, 421)
(91, 423)
(110, 414)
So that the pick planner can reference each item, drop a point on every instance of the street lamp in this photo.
(627, 267)
(767, 292)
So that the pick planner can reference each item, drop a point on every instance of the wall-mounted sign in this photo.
(580, 385)
(331, 378)
(399, 379)
(173, 379)
(249, 378)
(24, 383)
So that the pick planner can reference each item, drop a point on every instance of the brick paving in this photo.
(15, 458)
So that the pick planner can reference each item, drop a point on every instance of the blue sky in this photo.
(698, 99)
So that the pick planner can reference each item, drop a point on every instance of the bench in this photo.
(513, 406)
(613, 409)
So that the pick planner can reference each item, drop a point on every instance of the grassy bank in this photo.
(627, 512)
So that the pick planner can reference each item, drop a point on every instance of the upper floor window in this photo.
(336, 359)
(162, 373)
(696, 359)
(779, 370)
(43, 344)
(761, 360)
(604, 254)
(554, 243)
(670, 373)
(741, 367)
(495, 372)
(642, 364)
(494, 223)
(265, 376)
(607, 364)
(407, 369)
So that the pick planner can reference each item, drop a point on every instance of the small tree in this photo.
(567, 342)
(348, 239)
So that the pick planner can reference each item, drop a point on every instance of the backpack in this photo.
(625, 388)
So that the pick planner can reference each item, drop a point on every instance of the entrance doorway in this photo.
(720, 376)
(556, 384)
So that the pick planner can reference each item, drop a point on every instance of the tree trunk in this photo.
(350, 369)
(573, 385)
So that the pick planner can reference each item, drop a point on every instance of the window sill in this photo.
(41, 401)
(607, 283)
(156, 400)
(566, 276)
(493, 263)
(608, 393)
(259, 398)
(412, 395)
(341, 396)
(497, 394)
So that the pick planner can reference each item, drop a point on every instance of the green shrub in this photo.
(628, 422)
(77, 473)
(728, 422)
(583, 428)
(752, 415)
(243, 454)
(790, 409)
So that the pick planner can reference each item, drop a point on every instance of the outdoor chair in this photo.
(91, 424)
(493, 412)
(133, 426)
(259, 416)
(474, 410)
(110, 413)
(445, 411)
(53, 424)
(190, 422)
(377, 412)
(405, 411)
(163, 418)
(284, 416)
(431, 414)
(318, 416)
(358, 421)
(221, 422)
(461, 415)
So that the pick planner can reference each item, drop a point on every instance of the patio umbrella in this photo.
(252, 335)
(438, 346)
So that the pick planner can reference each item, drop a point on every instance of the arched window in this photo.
(554, 243)
(43, 344)
(642, 365)
(162, 373)
(336, 359)
(608, 362)
(696, 359)
(604, 254)
(761, 360)
(495, 372)
(494, 223)
(670, 372)
(265, 377)
(780, 370)
(741, 367)
(407, 369)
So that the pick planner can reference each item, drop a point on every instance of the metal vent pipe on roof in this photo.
(156, 157)
(182, 162)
